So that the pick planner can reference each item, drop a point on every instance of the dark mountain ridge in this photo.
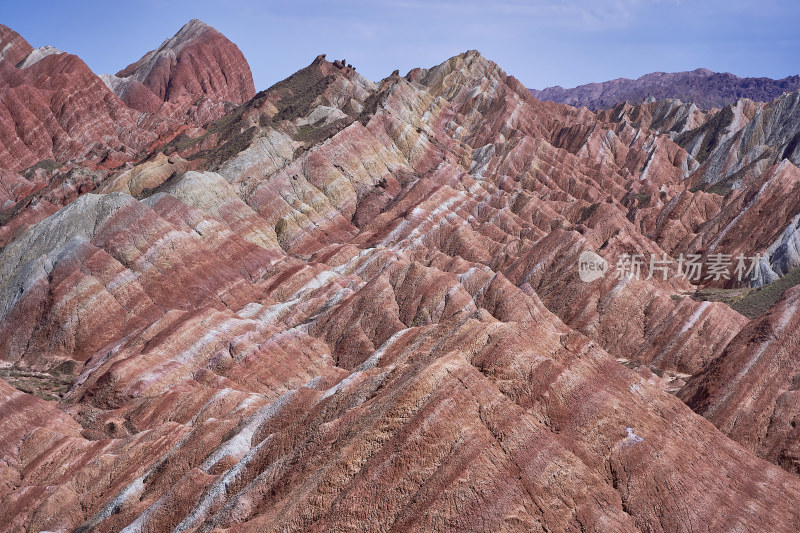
(702, 87)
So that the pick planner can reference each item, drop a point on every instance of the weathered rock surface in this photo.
(13, 47)
(753, 138)
(743, 156)
(750, 391)
(64, 132)
(669, 116)
(349, 305)
(190, 77)
(53, 107)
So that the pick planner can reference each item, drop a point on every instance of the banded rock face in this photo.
(53, 107)
(345, 289)
(670, 116)
(189, 77)
(14, 47)
(742, 165)
(177, 404)
(750, 391)
(65, 132)
(754, 138)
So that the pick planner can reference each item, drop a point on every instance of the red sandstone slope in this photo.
(64, 132)
(14, 48)
(490, 399)
(359, 308)
(346, 288)
(747, 155)
(750, 391)
(742, 166)
(52, 106)
(195, 72)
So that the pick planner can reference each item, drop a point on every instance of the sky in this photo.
(542, 43)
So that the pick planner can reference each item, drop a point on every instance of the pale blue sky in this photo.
(566, 42)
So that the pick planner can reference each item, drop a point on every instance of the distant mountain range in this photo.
(703, 87)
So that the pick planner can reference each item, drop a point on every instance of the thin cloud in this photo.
(583, 14)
